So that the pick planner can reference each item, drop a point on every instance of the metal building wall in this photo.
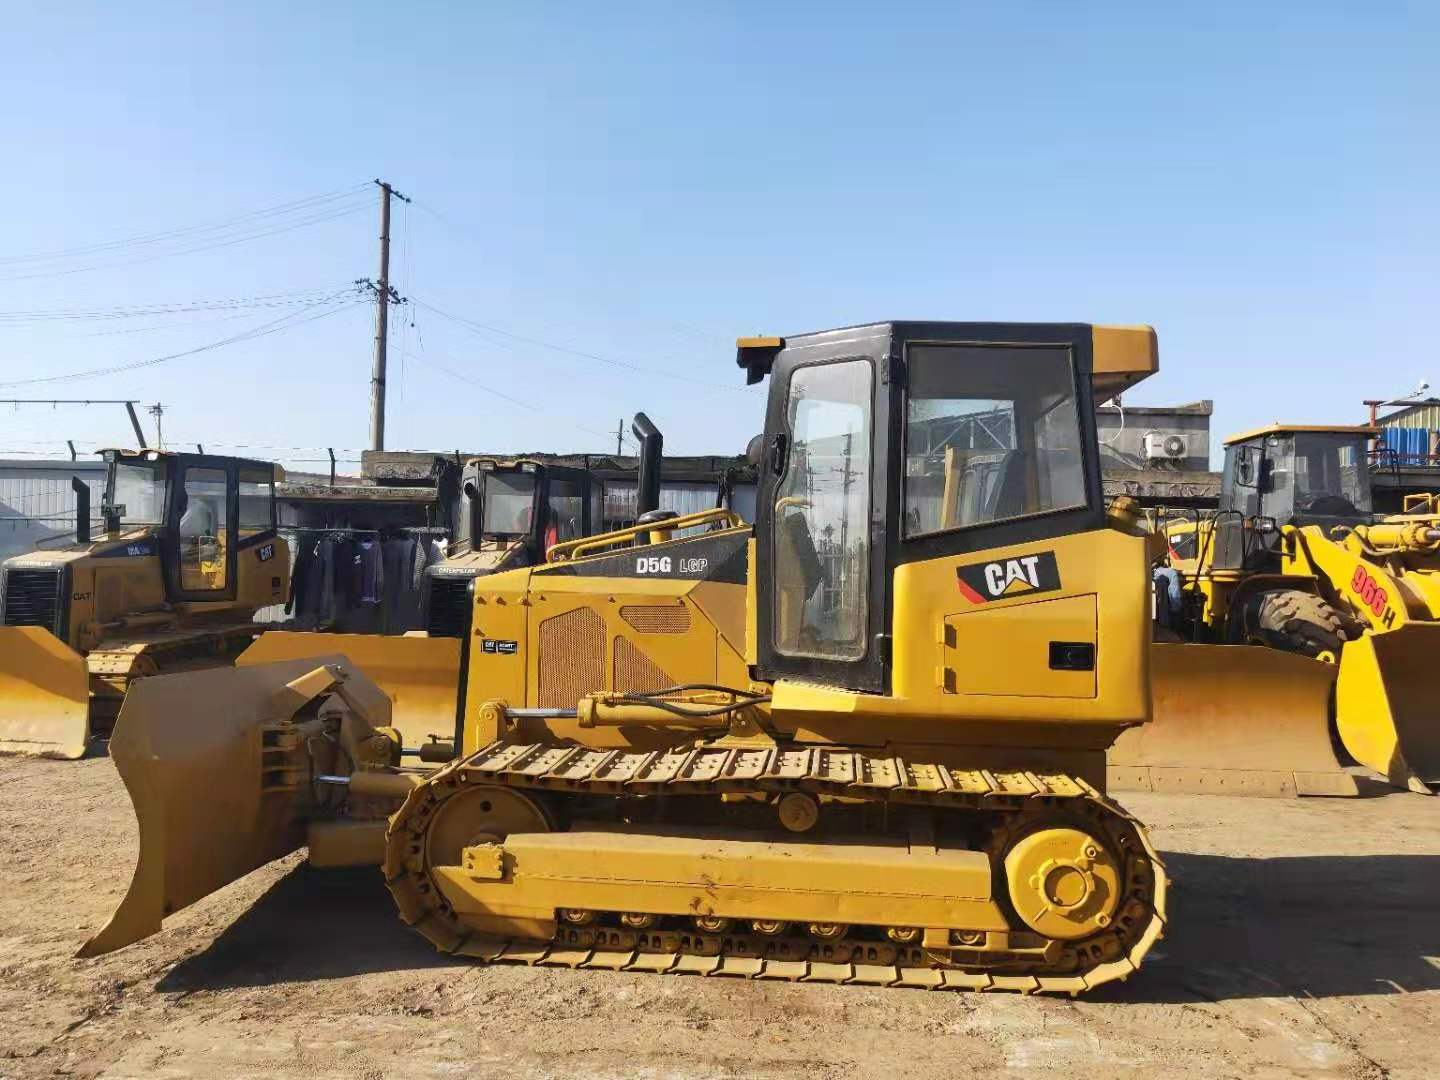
(37, 503)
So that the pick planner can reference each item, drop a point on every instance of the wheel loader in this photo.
(860, 741)
(1295, 560)
(188, 553)
(508, 513)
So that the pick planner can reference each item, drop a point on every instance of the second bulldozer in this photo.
(506, 514)
(188, 553)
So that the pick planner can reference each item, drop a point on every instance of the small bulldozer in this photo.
(1295, 560)
(859, 741)
(507, 514)
(188, 553)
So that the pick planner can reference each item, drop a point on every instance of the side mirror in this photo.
(755, 451)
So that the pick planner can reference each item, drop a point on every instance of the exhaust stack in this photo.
(647, 494)
(82, 509)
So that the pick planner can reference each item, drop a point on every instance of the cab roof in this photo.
(1121, 356)
(151, 454)
(1293, 429)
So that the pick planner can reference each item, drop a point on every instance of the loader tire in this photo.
(1299, 622)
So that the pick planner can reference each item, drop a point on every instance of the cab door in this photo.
(823, 590)
(199, 543)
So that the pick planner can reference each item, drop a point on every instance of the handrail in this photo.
(588, 545)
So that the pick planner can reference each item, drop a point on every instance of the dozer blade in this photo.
(1233, 720)
(420, 675)
(216, 792)
(1386, 707)
(44, 695)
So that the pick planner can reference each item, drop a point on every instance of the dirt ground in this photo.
(1305, 941)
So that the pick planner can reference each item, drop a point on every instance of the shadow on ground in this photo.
(311, 924)
(1307, 926)
(1314, 926)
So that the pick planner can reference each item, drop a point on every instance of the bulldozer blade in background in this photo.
(1233, 720)
(44, 695)
(191, 751)
(420, 675)
(1386, 709)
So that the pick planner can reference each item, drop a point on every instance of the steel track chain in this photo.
(707, 769)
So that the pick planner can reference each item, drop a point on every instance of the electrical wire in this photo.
(428, 362)
(331, 215)
(482, 329)
(136, 311)
(295, 206)
(285, 322)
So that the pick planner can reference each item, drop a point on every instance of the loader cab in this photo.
(197, 512)
(904, 442)
(1289, 475)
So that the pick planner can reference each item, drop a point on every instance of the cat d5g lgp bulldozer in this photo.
(861, 741)
(1296, 560)
(189, 553)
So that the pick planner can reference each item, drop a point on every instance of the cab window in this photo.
(991, 433)
(257, 502)
(821, 514)
(566, 518)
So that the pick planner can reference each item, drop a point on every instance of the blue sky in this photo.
(643, 182)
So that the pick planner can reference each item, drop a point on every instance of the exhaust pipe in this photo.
(647, 494)
(82, 509)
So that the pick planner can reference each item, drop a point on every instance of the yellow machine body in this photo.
(695, 745)
(82, 622)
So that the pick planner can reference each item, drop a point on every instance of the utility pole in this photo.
(157, 410)
(384, 297)
(620, 438)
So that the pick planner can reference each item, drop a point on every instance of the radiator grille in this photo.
(657, 618)
(32, 598)
(635, 672)
(572, 658)
(448, 613)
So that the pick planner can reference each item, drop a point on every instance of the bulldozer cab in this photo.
(199, 511)
(537, 505)
(1288, 475)
(902, 442)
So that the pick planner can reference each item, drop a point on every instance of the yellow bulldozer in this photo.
(188, 553)
(506, 514)
(860, 741)
(1295, 560)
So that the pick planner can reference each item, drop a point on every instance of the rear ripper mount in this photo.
(493, 858)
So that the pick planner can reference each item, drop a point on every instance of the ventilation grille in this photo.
(32, 598)
(449, 607)
(637, 673)
(657, 618)
(572, 658)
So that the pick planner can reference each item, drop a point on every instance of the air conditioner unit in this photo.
(1162, 447)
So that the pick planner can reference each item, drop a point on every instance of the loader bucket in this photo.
(193, 752)
(1233, 720)
(420, 675)
(44, 695)
(1385, 704)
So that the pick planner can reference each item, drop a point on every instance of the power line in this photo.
(331, 215)
(133, 311)
(482, 329)
(428, 362)
(285, 322)
(297, 205)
